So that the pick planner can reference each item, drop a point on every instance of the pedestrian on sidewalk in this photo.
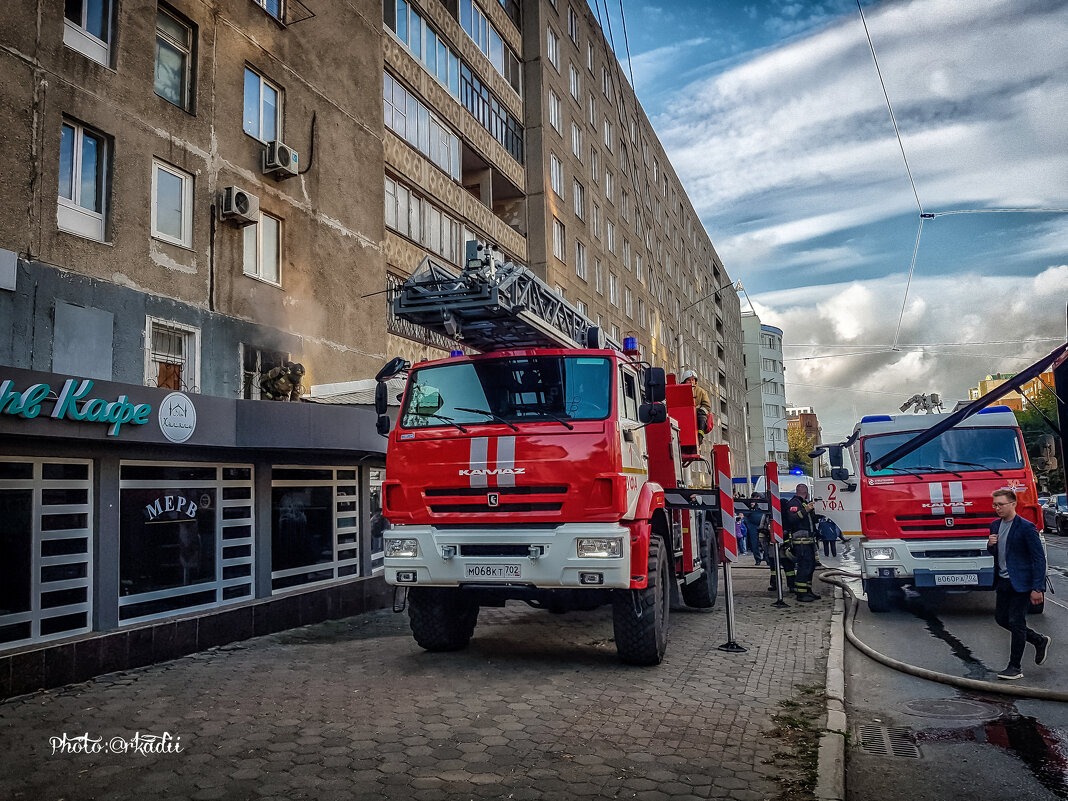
(830, 535)
(740, 532)
(1020, 580)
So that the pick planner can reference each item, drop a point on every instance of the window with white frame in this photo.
(606, 83)
(315, 525)
(610, 229)
(575, 81)
(626, 254)
(174, 59)
(595, 163)
(580, 200)
(256, 361)
(598, 277)
(552, 47)
(641, 313)
(639, 271)
(628, 302)
(83, 181)
(559, 240)
(576, 140)
(613, 289)
(422, 221)
(596, 222)
(593, 113)
(609, 186)
(556, 174)
(421, 128)
(589, 55)
(276, 8)
(263, 107)
(572, 24)
(263, 249)
(172, 204)
(172, 355)
(87, 28)
(554, 112)
(608, 134)
(580, 260)
(583, 309)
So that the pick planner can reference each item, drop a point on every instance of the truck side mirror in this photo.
(834, 456)
(655, 384)
(839, 474)
(381, 399)
(382, 424)
(392, 367)
(652, 412)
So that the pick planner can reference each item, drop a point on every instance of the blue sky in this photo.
(774, 118)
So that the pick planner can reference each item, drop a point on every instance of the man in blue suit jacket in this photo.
(1020, 576)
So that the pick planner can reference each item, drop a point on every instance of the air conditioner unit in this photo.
(279, 159)
(239, 206)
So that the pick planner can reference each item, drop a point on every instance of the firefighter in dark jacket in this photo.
(800, 530)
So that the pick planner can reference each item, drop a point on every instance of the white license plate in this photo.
(957, 578)
(493, 571)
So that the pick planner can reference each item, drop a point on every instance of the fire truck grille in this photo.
(501, 508)
(948, 554)
(973, 524)
(468, 491)
(496, 549)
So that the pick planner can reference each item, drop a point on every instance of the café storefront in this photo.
(139, 524)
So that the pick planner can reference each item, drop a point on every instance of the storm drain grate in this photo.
(888, 741)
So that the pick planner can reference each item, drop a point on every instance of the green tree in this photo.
(1035, 430)
(800, 448)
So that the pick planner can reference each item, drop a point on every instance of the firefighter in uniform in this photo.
(799, 527)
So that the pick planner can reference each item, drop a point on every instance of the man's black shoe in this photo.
(1011, 674)
(813, 595)
(1042, 650)
(804, 599)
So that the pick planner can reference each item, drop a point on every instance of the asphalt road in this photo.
(914, 739)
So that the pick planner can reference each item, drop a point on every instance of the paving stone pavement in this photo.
(538, 707)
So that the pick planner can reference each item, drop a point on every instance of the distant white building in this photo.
(765, 394)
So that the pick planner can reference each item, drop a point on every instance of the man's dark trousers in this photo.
(1011, 613)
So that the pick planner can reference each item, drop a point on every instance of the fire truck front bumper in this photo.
(963, 563)
(572, 555)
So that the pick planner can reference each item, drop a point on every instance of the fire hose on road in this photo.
(836, 578)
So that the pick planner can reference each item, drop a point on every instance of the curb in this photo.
(830, 782)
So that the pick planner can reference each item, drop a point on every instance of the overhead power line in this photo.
(926, 344)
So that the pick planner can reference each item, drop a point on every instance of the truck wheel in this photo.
(701, 594)
(442, 618)
(879, 593)
(640, 617)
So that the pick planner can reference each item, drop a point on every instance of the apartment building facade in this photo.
(765, 393)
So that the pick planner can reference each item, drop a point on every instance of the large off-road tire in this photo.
(442, 618)
(880, 594)
(701, 594)
(641, 639)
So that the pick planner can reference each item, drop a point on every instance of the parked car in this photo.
(1055, 514)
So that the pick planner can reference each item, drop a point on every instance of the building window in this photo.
(552, 48)
(46, 553)
(641, 313)
(572, 24)
(575, 81)
(83, 181)
(613, 289)
(556, 174)
(87, 28)
(607, 134)
(273, 7)
(611, 235)
(609, 186)
(593, 113)
(559, 240)
(596, 221)
(315, 519)
(606, 83)
(580, 260)
(624, 205)
(174, 59)
(589, 55)
(583, 309)
(580, 200)
(598, 277)
(554, 112)
(172, 204)
(490, 42)
(576, 140)
(254, 363)
(263, 108)
(419, 127)
(639, 271)
(425, 45)
(172, 356)
(626, 254)
(488, 110)
(421, 221)
(628, 302)
(185, 538)
(263, 245)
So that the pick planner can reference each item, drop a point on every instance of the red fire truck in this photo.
(924, 516)
(550, 468)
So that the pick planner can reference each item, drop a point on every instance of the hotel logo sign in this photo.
(177, 417)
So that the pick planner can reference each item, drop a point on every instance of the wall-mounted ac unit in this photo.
(239, 206)
(279, 159)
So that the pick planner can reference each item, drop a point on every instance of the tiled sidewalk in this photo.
(538, 707)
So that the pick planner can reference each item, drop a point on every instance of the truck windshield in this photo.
(518, 389)
(959, 450)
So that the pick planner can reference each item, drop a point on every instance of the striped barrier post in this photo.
(721, 457)
(771, 475)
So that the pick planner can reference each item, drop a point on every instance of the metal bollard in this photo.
(730, 646)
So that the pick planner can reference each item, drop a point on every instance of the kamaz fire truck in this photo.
(548, 468)
(923, 517)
